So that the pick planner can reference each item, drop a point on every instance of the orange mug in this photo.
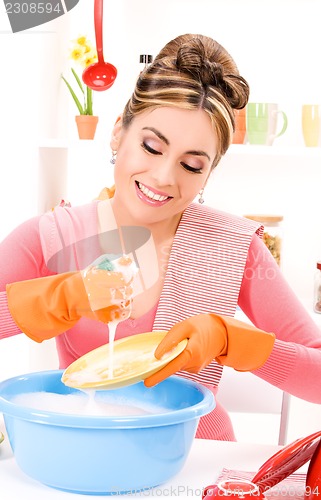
(240, 126)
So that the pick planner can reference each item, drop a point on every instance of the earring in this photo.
(201, 199)
(113, 157)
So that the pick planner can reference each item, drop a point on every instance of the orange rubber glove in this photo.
(45, 307)
(229, 341)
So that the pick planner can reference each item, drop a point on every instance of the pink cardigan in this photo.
(294, 365)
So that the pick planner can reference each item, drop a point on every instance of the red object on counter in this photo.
(233, 488)
(274, 470)
(313, 480)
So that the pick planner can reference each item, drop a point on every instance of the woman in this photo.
(196, 264)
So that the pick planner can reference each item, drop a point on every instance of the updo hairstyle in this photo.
(193, 72)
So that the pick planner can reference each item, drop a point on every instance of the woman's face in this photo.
(163, 161)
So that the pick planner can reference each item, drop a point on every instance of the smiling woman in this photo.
(174, 129)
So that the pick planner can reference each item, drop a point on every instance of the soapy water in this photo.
(86, 403)
(112, 333)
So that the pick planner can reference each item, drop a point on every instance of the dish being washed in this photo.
(132, 359)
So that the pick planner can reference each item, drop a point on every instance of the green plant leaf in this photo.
(78, 80)
(75, 98)
(89, 110)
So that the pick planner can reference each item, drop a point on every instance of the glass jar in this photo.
(317, 289)
(273, 233)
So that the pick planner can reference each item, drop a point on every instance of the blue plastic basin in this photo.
(104, 455)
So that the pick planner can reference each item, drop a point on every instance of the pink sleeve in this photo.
(21, 259)
(268, 301)
(24, 252)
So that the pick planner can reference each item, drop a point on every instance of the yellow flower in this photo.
(90, 58)
(77, 54)
(88, 48)
(83, 52)
(81, 40)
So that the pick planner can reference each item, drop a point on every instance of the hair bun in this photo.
(191, 58)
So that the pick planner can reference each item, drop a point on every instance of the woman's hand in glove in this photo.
(108, 295)
(45, 307)
(229, 341)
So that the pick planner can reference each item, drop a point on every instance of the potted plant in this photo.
(83, 54)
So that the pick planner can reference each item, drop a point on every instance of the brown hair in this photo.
(192, 72)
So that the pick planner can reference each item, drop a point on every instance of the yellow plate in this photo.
(1, 437)
(131, 361)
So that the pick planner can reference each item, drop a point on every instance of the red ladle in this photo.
(100, 75)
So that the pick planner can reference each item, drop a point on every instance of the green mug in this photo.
(262, 122)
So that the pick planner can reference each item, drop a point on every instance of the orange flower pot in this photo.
(86, 125)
